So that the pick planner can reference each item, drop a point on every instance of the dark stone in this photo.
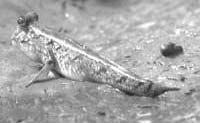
(182, 78)
(101, 113)
(20, 120)
(171, 50)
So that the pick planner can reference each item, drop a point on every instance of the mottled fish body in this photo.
(77, 62)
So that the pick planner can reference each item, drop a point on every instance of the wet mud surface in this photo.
(130, 32)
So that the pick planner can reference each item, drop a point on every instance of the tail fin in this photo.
(156, 90)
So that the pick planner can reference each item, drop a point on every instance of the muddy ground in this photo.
(130, 32)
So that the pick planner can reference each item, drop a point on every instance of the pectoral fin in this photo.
(43, 72)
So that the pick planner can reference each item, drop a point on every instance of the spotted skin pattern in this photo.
(77, 62)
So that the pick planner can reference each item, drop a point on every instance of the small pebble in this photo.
(101, 113)
(182, 78)
(20, 120)
(171, 50)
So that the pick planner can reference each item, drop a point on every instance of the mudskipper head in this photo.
(25, 21)
(20, 36)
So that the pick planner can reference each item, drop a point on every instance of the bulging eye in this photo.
(31, 17)
(35, 16)
(21, 21)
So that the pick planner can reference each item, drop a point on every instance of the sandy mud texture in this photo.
(130, 32)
